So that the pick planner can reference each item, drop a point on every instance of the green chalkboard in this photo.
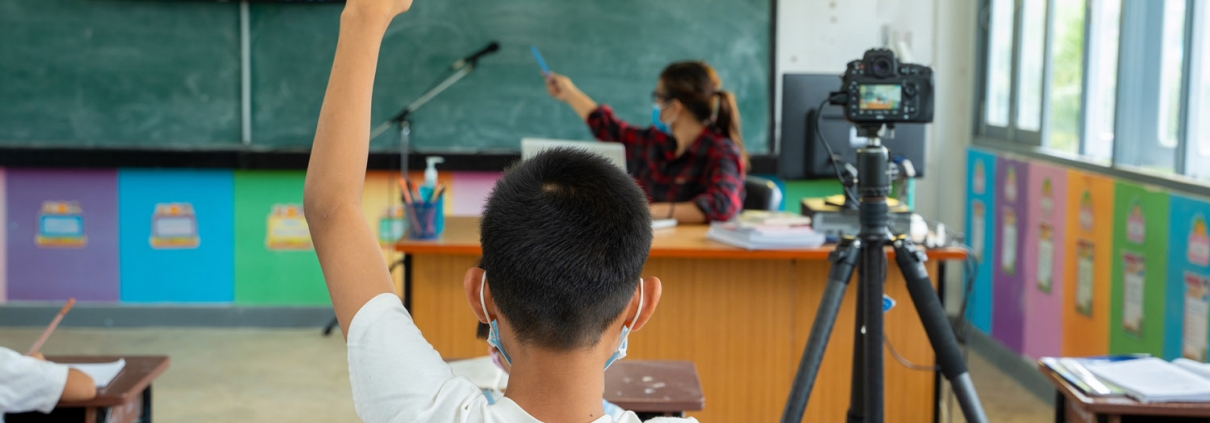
(161, 74)
(145, 74)
(612, 49)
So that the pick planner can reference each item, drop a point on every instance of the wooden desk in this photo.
(127, 399)
(742, 317)
(654, 387)
(1071, 405)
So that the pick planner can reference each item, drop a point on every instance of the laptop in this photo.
(612, 151)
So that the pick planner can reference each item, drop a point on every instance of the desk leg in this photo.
(90, 415)
(146, 415)
(1060, 407)
(407, 282)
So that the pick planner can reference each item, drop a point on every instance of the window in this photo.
(1000, 63)
(1029, 74)
(1052, 72)
(1106, 19)
(1198, 153)
(1067, 58)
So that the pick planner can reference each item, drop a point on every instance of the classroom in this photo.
(798, 210)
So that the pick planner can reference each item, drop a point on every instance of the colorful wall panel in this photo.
(1140, 244)
(1043, 260)
(274, 261)
(1188, 298)
(1088, 258)
(1008, 272)
(177, 228)
(471, 190)
(62, 234)
(980, 228)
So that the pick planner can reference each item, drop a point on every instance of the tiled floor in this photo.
(294, 375)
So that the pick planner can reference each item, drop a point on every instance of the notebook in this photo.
(101, 373)
(1155, 380)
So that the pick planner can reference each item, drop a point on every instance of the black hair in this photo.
(565, 235)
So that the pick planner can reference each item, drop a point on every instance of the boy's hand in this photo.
(384, 9)
(38, 356)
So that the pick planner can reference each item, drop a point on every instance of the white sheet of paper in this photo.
(1046, 254)
(101, 373)
(1084, 277)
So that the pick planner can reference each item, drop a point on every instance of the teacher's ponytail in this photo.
(699, 88)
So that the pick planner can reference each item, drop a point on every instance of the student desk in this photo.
(1071, 405)
(127, 399)
(742, 317)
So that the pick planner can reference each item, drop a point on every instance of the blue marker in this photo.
(538, 56)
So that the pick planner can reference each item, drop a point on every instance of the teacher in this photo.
(691, 160)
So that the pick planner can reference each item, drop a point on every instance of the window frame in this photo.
(1140, 38)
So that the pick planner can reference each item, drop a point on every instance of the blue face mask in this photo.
(655, 120)
(493, 335)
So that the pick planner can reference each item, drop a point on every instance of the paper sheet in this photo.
(101, 373)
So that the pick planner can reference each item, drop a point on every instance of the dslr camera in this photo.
(878, 89)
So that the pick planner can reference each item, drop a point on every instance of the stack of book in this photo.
(761, 230)
(1141, 377)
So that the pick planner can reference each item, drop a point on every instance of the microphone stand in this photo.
(403, 118)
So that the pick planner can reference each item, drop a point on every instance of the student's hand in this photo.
(385, 9)
(38, 356)
(561, 88)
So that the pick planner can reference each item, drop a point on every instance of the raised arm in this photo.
(348, 251)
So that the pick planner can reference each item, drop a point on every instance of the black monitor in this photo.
(802, 156)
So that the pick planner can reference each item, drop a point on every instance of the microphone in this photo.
(490, 48)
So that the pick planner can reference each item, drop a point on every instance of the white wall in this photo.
(822, 36)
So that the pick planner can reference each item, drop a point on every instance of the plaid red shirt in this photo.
(710, 173)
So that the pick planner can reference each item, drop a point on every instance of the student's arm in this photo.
(79, 387)
(348, 252)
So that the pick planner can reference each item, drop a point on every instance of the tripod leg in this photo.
(857, 377)
(936, 325)
(872, 277)
(843, 259)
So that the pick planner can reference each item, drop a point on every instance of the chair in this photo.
(761, 194)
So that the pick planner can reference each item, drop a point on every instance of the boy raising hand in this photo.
(565, 236)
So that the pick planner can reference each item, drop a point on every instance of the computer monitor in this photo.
(803, 156)
(612, 151)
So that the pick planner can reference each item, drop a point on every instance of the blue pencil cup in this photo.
(422, 220)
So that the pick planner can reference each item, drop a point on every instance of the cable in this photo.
(832, 154)
(910, 365)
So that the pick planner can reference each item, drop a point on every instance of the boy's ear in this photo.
(471, 283)
(652, 289)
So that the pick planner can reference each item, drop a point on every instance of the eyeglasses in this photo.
(656, 96)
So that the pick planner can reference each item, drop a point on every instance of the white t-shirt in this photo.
(29, 384)
(398, 377)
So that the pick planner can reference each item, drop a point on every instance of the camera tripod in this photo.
(867, 252)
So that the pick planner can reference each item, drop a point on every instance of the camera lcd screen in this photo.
(880, 97)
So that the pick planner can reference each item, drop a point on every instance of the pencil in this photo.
(51, 328)
(406, 190)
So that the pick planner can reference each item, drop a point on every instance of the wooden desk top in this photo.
(1123, 405)
(461, 237)
(654, 386)
(128, 385)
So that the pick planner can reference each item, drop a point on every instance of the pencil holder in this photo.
(422, 220)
